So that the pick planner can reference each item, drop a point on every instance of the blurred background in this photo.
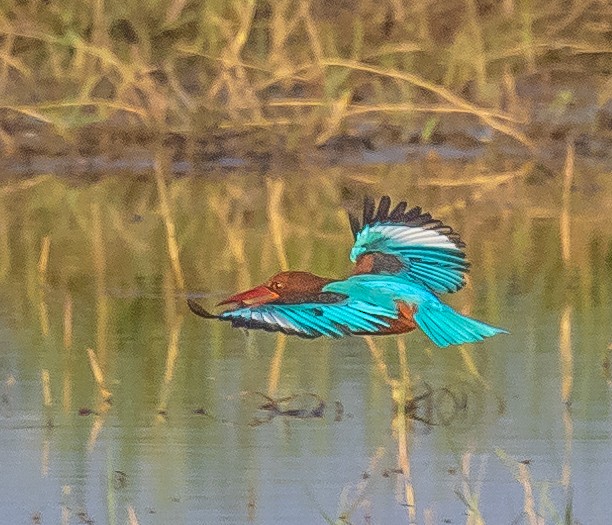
(154, 152)
(256, 81)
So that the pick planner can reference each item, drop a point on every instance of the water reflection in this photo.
(118, 406)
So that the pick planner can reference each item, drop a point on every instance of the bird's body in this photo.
(403, 261)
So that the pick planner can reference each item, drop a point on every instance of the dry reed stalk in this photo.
(257, 123)
(164, 203)
(276, 364)
(173, 12)
(568, 430)
(478, 45)
(512, 99)
(32, 111)
(171, 358)
(8, 143)
(311, 30)
(403, 107)
(281, 27)
(564, 224)
(7, 388)
(520, 470)
(403, 460)
(68, 321)
(275, 193)
(336, 113)
(565, 353)
(485, 181)
(67, 390)
(379, 360)
(403, 393)
(43, 312)
(169, 300)
(5, 243)
(24, 184)
(232, 76)
(43, 259)
(66, 510)
(468, 359)
(99, 260)
(7, 61)
(348, 507)
(96, 428)
(235, 238)
(471, 501)
(132, 518)
(438, 90)
(403, 360)
(529, 503)
(44, 457)
(67, 380)
(567, 380)
(47, 403)
(98, 376)
(526, 17)
(46, 388)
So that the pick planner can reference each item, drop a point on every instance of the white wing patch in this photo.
(409, 235)
(314, 319)
(430, 254)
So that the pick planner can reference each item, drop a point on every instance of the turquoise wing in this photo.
(314, 319)
(410, 244)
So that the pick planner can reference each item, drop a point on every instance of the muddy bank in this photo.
(32, 147)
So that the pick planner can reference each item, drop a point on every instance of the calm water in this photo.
(510, 431)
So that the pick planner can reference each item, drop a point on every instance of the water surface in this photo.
(507, 431)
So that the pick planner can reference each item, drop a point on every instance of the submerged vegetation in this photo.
(92, 76)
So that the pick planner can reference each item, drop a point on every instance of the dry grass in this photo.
(98, 375)
(275, 373)
(194, 67)
(46, 384)
(161, 173)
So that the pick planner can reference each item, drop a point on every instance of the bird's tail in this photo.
(446, 327)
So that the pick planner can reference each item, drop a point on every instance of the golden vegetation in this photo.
(294, 68)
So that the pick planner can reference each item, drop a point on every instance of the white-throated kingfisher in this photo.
(403, 261)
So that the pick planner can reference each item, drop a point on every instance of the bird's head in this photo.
(282, 287)
(365, 241)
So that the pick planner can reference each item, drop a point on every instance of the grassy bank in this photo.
(290, 74)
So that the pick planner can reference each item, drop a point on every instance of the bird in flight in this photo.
(404, 259)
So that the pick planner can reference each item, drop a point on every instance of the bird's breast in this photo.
(405, 321)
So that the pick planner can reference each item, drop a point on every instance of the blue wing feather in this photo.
(314, 319)
(428, 252)
(368, 306)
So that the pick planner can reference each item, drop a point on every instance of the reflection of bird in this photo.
(403, 260)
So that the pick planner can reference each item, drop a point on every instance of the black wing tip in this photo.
(413, 217)
(198, 310)
(355, 224)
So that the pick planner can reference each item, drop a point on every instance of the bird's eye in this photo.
(277, 286)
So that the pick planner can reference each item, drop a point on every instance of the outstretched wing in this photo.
(313, 319)
(408, 243)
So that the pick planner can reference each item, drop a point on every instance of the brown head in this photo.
(284, 287)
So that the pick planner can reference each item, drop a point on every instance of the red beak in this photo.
(258, 295)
